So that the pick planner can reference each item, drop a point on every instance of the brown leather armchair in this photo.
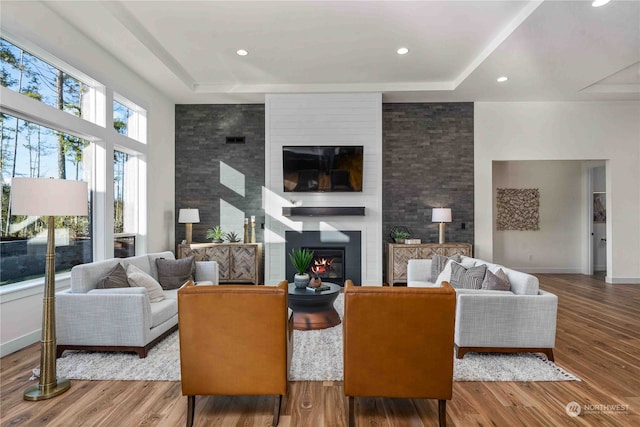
(398, 342)
(234, 340)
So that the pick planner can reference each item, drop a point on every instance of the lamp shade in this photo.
(189, 216)
(441, 215)
(48, 196)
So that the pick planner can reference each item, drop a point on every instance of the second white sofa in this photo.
(522, 319)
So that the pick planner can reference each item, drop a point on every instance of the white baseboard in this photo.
(20, 343)
(622, 280)
(547, 270)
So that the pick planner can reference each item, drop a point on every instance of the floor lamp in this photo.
(48, 197)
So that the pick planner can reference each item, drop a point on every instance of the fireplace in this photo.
(337, 254)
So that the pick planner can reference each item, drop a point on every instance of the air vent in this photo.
(235, 140)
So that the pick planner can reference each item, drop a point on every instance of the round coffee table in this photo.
(314, 310)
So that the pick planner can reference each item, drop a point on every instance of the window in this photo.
(125, 203)
(121, 116)
(32, 150)
(36, 143)
(31, 76)
(129, 119)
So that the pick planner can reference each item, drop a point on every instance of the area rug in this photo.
(317, 356)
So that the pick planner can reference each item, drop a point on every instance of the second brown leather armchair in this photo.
(234, 340)
(398, 342)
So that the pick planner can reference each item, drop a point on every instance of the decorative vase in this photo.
(315, 282)
(301, 280)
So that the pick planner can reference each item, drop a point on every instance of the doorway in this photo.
(599, 233)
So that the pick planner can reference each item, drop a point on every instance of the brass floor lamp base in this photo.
(35, 392)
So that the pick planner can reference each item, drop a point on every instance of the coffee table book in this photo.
(319, 288)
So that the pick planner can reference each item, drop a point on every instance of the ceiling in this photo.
(550, 50)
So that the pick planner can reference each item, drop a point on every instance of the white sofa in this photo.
(118, 319)
(520, 320)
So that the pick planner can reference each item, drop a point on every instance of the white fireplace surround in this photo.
(323, 119)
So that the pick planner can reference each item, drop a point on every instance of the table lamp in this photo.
(189, 217)
(441, 215)
(48, 197)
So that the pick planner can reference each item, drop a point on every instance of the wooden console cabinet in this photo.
(399, 254)
(237, 262)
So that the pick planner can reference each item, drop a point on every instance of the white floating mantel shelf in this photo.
(323, 211)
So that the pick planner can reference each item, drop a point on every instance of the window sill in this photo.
(31, 287)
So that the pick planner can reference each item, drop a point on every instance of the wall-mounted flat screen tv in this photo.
(322, 168)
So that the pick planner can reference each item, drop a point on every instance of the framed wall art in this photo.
(518, 209)
(599, 206)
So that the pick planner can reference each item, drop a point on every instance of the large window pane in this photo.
(124, 196)
(35, 78)
(125, 203)
(31, 150)
(121, 115)
(129, 119)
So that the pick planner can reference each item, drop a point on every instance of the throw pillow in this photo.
(173, 273)
(445, 275)
(497, 281)
(139, 278)
(439, 262)
(116, 278)
(467, 278)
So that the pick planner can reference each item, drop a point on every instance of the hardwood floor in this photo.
(598, 340)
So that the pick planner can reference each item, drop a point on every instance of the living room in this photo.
(438, 147)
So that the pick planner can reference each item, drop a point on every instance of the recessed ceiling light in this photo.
(598, 3)
(502, 79)
(242, 52)
(402, 51)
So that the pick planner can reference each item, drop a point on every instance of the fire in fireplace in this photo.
(328, 264)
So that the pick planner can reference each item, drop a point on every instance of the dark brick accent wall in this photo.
(427, 162)
(201, 132)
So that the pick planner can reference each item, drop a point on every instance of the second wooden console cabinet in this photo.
(399, 254)
(237, 262)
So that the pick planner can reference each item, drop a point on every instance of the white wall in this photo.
(544, 250)
(35, 24)
(566, 131)
(324, 119)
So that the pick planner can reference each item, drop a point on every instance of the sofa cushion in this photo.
(141, 262)
(137, 277)
(116, 278)
(497, 281)
(467, 278)
(152, 261)
(171, 294)
(445, 275)
(85, 277)
(439, 262)
(163, 310)
(422, 284)
(174, 273)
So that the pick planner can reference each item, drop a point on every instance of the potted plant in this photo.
(232, 237)
(215, 234)
(399, 236)
(300, 259)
